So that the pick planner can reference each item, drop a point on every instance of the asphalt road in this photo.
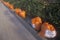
(11, 28)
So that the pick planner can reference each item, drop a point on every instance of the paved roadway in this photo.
(11, 28)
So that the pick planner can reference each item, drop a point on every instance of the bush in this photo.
(50, 13)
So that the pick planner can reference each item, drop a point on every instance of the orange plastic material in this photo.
(22, 14)
(17, 11)
(37, 21)
(9, 5)
(46, 26)
(4, 2)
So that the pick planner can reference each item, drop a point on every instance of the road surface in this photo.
(11, 28)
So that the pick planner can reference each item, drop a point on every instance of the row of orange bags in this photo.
(38, 23)
(18, 11)
(45, 29)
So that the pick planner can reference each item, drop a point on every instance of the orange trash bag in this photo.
(36, 23)
(7, 4)
(22, 14)
(11, 7)
(17, 11)
(4, 2)
(47, 30)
